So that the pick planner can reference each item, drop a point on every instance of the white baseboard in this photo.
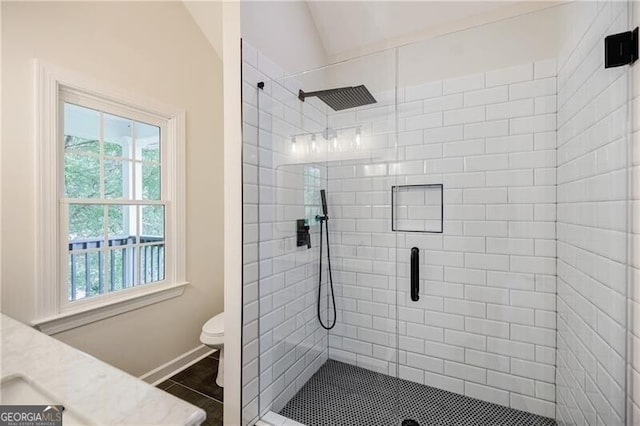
(187, 359)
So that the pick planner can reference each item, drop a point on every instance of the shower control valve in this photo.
(303, 238)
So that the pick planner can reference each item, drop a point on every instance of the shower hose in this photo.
(333, 298)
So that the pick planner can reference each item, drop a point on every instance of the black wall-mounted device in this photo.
(302, 233)
(415, 274)
(621, 49)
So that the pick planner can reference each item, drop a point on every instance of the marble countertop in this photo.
(93, 390)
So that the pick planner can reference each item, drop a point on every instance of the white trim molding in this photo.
(52, 313)
(232, 85)
(77, 318)
(176, 365)
(46, 295)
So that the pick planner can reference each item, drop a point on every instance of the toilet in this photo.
(213, 336)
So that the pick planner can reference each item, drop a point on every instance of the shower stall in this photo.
(473, 195)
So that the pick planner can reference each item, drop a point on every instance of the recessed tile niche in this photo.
(417, 208)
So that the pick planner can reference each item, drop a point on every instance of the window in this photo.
(312, 189)
(112, 207)
(112, 187)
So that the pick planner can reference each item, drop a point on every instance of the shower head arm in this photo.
(342, 97)
(302, 95)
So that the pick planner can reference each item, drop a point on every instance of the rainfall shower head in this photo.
(342, 98)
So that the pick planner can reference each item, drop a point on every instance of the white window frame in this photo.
(53, 312)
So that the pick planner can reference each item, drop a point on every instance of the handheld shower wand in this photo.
(323, 196)
(322, 219)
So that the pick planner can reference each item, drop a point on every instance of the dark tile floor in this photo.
(346, 395)
(196, 385)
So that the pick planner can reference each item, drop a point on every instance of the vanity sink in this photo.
(39, 370)
(19, 390)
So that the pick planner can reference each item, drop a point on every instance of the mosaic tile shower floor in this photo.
(343, 394)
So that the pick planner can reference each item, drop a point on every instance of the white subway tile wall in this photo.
(591, 223)
(487, 291)
(279, 278)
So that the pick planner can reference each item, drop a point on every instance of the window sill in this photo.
(96, 312)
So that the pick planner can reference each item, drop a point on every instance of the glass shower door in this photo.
(476, 226)
(325, 153)
(521, 309)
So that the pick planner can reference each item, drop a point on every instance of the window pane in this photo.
(117, 136)
(81, 176)
(153, 221)
(122, 272)
(152, 261)
(152, 244)
(150, 181)
(118, 178)
(147, 142)
(150, 154)
(113, 149)
(86, 274)
(118, 221)
(86, 257)
(311, 193)
(86, 222)
(81, 129)
(122, 245)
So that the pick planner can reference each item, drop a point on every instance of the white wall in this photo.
(208, 16)
(153, 49)
(592, 221)
(284, 32)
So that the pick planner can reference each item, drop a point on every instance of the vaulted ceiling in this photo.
(350, 28)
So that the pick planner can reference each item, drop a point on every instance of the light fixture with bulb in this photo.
(344, 139)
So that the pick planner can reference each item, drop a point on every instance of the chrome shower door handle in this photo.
(415, 274)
